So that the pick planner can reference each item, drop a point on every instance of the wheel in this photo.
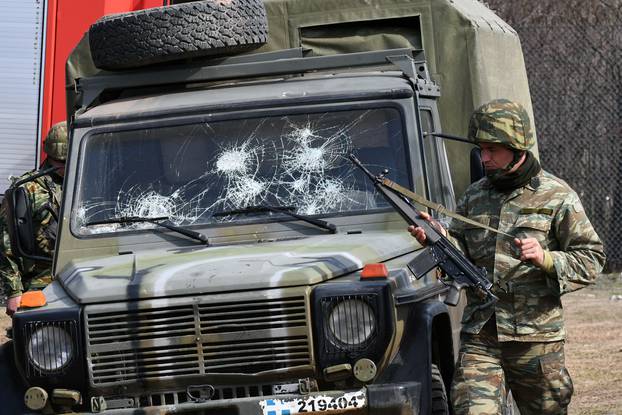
(440, 404)
(181, 31)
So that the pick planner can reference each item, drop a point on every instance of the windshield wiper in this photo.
(197, 236)
(280, 209)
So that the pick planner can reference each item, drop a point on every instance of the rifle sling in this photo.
(442, 210)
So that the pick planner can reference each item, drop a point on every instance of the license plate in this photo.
(314, 404)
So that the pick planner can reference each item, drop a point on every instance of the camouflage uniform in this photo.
(520, 339)
(20, 274)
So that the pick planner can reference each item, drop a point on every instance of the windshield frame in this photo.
(174, 121)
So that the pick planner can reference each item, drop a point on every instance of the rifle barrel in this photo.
(358, 164)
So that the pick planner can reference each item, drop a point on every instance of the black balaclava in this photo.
(504, 181)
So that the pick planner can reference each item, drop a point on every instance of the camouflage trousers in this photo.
(533, 371)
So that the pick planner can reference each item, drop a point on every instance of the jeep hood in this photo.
(193, 271)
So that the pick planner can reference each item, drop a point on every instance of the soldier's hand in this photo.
(419, 233)
(12, 304)
(530, 250)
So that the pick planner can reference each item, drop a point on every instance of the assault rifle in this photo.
(439, 251)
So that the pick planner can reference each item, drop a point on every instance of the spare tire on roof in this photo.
(181, 31)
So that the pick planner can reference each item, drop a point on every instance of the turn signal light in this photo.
(31, 299)
(374, 271)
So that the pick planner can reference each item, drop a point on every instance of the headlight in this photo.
(50, 348)
(351, 322)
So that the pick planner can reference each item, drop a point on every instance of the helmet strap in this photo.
(517, 154)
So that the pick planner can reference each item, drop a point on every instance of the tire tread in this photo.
(182, 31)
(440, 404)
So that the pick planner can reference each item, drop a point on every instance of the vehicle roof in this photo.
(283, 91)
(472, 53)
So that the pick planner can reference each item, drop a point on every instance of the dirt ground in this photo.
(593, 347)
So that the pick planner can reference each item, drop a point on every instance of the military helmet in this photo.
(55, 144)
(502, 121)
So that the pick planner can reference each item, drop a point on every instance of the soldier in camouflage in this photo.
(19, 274)
(518, 342)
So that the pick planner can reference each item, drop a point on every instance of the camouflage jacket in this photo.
(18, 274)
(529, 306)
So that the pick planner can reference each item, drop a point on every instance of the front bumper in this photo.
(382, 399)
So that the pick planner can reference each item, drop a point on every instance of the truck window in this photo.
(189, 172)
(362, 35)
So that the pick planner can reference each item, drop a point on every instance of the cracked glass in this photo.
(189, 172)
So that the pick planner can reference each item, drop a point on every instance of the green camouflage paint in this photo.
(504, 122)
(529, 306)
(55, 144)
(533, 371)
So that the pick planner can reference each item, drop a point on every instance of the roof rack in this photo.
(282, 62)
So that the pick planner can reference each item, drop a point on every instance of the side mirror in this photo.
(19, 224)
(477, 167)
(19, 213)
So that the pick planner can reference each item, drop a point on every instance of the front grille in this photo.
(249, 355)
(194, 337)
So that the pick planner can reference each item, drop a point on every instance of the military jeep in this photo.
(218, 251)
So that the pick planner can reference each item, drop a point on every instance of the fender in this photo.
(13, 388)
(413, 361)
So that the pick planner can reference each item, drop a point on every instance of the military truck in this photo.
(218, 252)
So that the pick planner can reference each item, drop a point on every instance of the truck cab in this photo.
(220, 253)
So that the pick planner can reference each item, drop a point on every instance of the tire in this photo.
(181, 31)
(440, 403)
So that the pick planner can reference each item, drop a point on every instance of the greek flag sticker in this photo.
(275, 407)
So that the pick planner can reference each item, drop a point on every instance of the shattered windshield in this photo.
(188, 173)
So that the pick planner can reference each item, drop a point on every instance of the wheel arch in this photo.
(13, 388)
(442, 348)
(427, 336)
